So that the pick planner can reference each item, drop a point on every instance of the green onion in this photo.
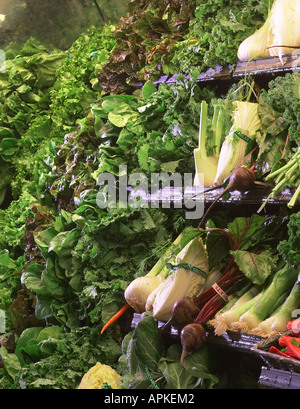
(282, 281)
(226, 320)
(284, 314)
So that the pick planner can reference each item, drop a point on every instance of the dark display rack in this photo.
(276, 372)
(259, 68)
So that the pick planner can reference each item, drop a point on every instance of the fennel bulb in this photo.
(182, 281)
(255, 46)
(279, 35)
(284, 28)
(206, 165)
(246, 123)
(137, 292)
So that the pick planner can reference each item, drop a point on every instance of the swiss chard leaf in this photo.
(242, 228)
(256, 267)
(272, 121)
(146, 343)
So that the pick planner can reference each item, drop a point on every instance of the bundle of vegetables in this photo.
(188, 278)
(137, 293)
(278, 36)
(278, 156)
(266, 310)
(234, 116)
(166, 282)
(245, 125)
(250, 264)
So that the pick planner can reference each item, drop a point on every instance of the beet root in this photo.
(192, 339)
(184, 312)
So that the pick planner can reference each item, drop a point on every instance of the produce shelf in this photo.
(177, 197)
(230, 340)
(262, 67)
(276, 372)
(278, 379)
(275, 361)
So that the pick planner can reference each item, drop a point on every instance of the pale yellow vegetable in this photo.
(255, 46)
(139, 289)
(181, 282)
(284, 28)
(246, 123)
(137, 292)
(100, 377)
(279, 35)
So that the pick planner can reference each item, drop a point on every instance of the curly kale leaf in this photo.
(290, 248)
(283, 98)
(76, 353)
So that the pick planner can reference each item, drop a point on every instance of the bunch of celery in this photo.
(263, 311)
(286, 176)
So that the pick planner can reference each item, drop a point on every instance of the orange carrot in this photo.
(115, 317)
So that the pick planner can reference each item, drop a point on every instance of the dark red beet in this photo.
(242, 180)
(184, 312)
(192, 339)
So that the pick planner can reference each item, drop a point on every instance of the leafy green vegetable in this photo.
(144, 42)
(76, 86)
(257, 267)
(36, 343)
(215, 34)
(145, 365)
(10, 271)
(289, 248)
(281, 102)
(70, 356)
